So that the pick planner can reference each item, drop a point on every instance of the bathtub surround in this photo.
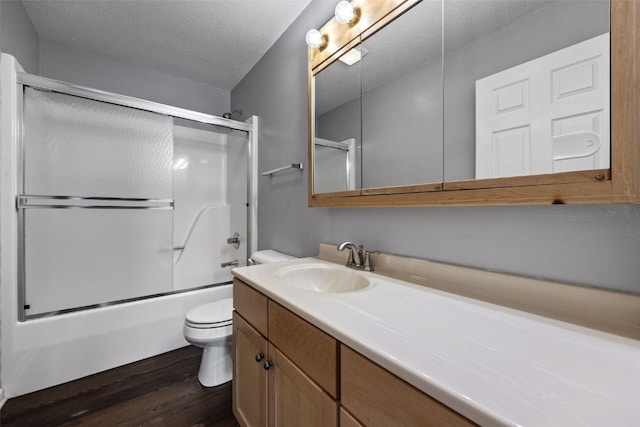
(592, 245)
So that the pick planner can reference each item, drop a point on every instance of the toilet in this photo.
(209, 326)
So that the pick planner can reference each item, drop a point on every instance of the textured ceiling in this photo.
(211, 41)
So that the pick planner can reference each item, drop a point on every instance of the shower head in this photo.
(230, 115)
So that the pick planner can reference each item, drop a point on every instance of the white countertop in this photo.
(494, 365)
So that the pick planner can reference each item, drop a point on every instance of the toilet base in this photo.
(216, 366)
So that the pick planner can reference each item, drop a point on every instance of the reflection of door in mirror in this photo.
(542, 101)
(547, 115)
(336, 164)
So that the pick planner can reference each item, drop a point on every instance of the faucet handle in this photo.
(367, 266)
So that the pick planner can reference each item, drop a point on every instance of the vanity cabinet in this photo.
(286, 371)
(284, 368)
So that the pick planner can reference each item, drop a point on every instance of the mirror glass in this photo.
(526, 87)
(456, 90)
(402, 89)
(337, 139)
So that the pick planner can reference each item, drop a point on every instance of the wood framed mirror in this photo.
(589, 155)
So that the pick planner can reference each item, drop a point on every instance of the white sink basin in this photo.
(322, 278)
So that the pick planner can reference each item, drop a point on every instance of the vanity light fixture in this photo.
(345, 13)
(354, 55)
(315, 39)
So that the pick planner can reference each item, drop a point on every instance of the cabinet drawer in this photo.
(251, 304)
(315, 352)
(379, 398)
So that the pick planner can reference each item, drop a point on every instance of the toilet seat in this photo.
(217, 314)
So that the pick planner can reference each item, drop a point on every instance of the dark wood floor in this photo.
(159, 391)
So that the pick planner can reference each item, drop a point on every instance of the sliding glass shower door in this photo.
(95, 202)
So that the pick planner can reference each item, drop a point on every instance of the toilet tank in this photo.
(268, 256)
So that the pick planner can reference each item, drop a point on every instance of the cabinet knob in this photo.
(267, 365)
(259, 357)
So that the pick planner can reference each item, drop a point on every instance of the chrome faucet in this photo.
(359, 259)
(355, 254)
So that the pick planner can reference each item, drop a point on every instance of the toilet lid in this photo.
(212, 313)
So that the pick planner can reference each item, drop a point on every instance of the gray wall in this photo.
(18, 36)
(401, 124)
(590, 245)
(58, 61)
(67, 63)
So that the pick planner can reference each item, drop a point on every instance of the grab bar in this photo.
(270, 173)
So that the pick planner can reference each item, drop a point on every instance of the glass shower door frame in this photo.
(24, 202)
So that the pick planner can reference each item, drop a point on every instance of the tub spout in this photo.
(233, 263)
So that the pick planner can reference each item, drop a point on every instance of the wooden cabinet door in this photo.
(348, 420)
(379, 399)
(294, 399)
(249, 376)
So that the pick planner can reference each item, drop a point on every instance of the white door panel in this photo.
(523, 110)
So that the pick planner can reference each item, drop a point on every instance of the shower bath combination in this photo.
(152, 186)
(124, 208)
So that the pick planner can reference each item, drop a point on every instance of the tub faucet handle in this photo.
(234, 240)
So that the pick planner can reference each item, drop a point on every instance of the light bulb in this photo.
(345, 12)
(314, 38)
